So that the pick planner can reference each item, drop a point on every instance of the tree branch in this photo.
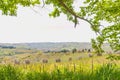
(43, 3)
(72, 12)
(77, 16)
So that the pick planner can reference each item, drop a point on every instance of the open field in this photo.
(39, 57)
(77, 66)
(32, 64)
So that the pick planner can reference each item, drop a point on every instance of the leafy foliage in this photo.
(109, 11)
(113, 57)
(97, 47)
(9, 7)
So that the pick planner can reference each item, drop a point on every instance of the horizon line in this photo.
(43, 42)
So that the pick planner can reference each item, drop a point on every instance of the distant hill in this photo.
(59, 46)
(56, 46)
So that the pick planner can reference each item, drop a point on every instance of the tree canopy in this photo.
(94, 12)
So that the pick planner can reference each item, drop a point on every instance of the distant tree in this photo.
(9, 47)
(64, 51)
(74, 50)
(11, 53)
(89, 50)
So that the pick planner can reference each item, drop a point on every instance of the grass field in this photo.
(85, 68)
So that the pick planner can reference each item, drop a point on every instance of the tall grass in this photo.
(104, 72)
(10, 73)
(108, 72)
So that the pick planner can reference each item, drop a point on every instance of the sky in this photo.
(31, 26)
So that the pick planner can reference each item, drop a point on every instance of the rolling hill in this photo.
(56, 46)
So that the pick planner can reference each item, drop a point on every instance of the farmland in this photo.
(32, 64)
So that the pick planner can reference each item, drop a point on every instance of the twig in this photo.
(43, 3)
(35, 10)
(73, 13)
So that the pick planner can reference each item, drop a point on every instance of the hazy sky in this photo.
(30, 26)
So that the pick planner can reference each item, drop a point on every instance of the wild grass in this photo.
(88, 68)
(61, 71)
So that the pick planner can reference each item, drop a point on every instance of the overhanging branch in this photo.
(72, 12)
(77, 16)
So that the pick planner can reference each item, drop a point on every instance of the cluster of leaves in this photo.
(94, 12)
(112, 35)
(65, 7)
(97, 47)
(104, 10)
(9, 7)
(113, 57)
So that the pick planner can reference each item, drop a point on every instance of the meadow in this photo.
(79, 67)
